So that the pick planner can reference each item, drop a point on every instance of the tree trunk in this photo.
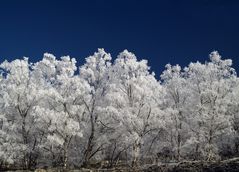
(89, 148)
(179, 139)
(65, 155)
(136, 153)
(210, 152)
(25, 142)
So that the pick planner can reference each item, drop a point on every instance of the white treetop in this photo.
(55, 113)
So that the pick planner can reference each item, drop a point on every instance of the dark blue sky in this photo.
(162, 31)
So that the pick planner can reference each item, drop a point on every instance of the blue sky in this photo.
(162, 31)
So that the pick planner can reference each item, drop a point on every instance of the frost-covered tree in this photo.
(95, 73)
(134, 102)
(52, 114)
(177, 105)
(211, 84)
(60, 111)
(234, 112)
(19, 96)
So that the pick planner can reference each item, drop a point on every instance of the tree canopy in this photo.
(55, 113)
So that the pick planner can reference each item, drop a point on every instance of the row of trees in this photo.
(54, 114)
